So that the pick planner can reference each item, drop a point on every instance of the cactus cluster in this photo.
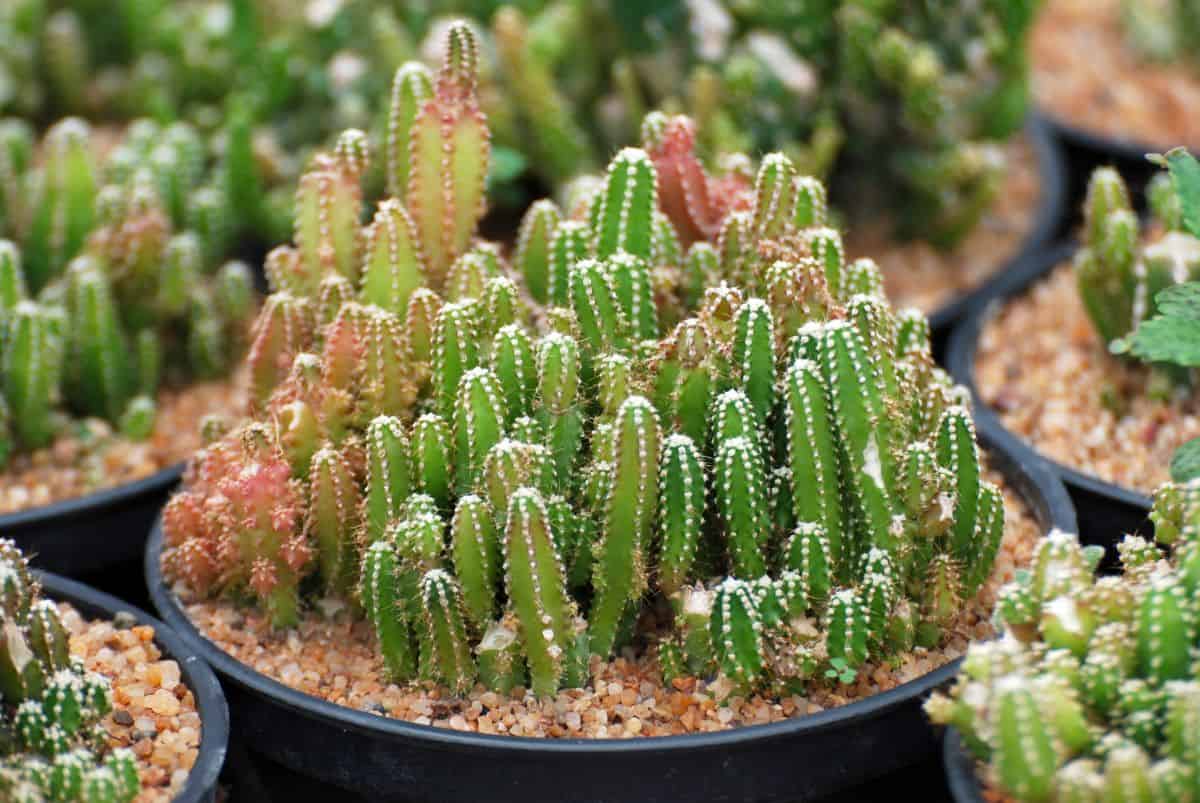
(1092, 692)
(110, 277)
(676, 394)
(52, 747)
(1120, 275)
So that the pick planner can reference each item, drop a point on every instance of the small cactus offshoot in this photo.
(676, 393)
(53, 746)
(1092, 684)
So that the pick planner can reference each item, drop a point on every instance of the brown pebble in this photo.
(122, 717)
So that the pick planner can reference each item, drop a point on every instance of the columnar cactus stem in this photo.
(333, 498)
(534, 247)
(619, 574)
(754, 355)
(449, 153)
(516, 370)
(101, 381)
(568, 245)
(432, 460)
(30, 364)
(379, 590)
(475, 548)
(681, 511)
(389, 477)
(411, 89)
(736, 631)
(741, 498)
(392, 268)
(63, 210)
(848, 627)
(479, 421)
(622, 216)
(450, 657)
(456, 351)
(630, 277)
(537, 590)
(283, 330)
(812, 453)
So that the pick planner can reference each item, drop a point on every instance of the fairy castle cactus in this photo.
(1092, 684)
(52, 746)
(676, 394)
(106, 294)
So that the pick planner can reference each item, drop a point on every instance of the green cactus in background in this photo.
(55, 747)
(1091, 686)
(584, 432)
(104, 301)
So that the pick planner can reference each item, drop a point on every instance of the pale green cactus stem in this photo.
(392, 268)
(619, 574)
(379, 592)
(412, 87)
(479, 421)
(754, 355)
(863, 277)
(740, 488)
(328, 209)
(775, 196)
(511, 464)
(536, 590)
(736, 631)
(1106, 266)
(63, 206)
(1166, 629)
(12, 280)
(811, 208)
(334, 496)
(558, 390)
(101, 378)
(622, 216)
(1025, 757)
(432, 459)
(812, 453)
(449, 154)
(559, 146)
(31, 359)
(456, 351)
(630, 277)
(283, 330)
(389, 473)
(597, 308)
(569, 244)
(534, 247)
(450, 659)
(388, 387)
(475, 550)
(681, 488)
(515, 366)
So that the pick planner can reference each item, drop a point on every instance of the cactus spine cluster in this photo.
(52, 746)
(677, 392)
(1091, 691)
(110, 278)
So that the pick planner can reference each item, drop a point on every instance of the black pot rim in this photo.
(158, 482)
(1059, 512)
(960, 361)
(1123, 148)
(959, 767)
(1051, 209)
(197, 676)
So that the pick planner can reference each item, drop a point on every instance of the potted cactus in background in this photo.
(1091, 691)
(1103, 351)
(679, 448)
(1117, 77)
(92, 710)
(120, 323)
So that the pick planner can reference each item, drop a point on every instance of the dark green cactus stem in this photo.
(631, 282)
(536, 590)
(774, 196)
(450, 659)
(681, 511)
(478, 425)
(475, 549)
(741, 490)
(754, 355)
(515, 367)
(848, 627)
(535, 238)
(809, 555)
(389, 478)
(597, 309)
(735, 631)
(101, 378)
(569, 244)
(619, 573)
(30, 362)
(456, 351)
(812, 453)
(379, 591)
(622, 216)
(432, 458)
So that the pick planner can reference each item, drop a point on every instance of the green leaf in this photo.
(1167, 339)
(1180, 301)
(1185, 465)
(1185, 175)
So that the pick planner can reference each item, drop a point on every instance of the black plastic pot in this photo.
(1106, 511)
(201, 786)
(959, 765)
(90, 535)
(1083, 151)
(1047, 227)
(386, 759)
